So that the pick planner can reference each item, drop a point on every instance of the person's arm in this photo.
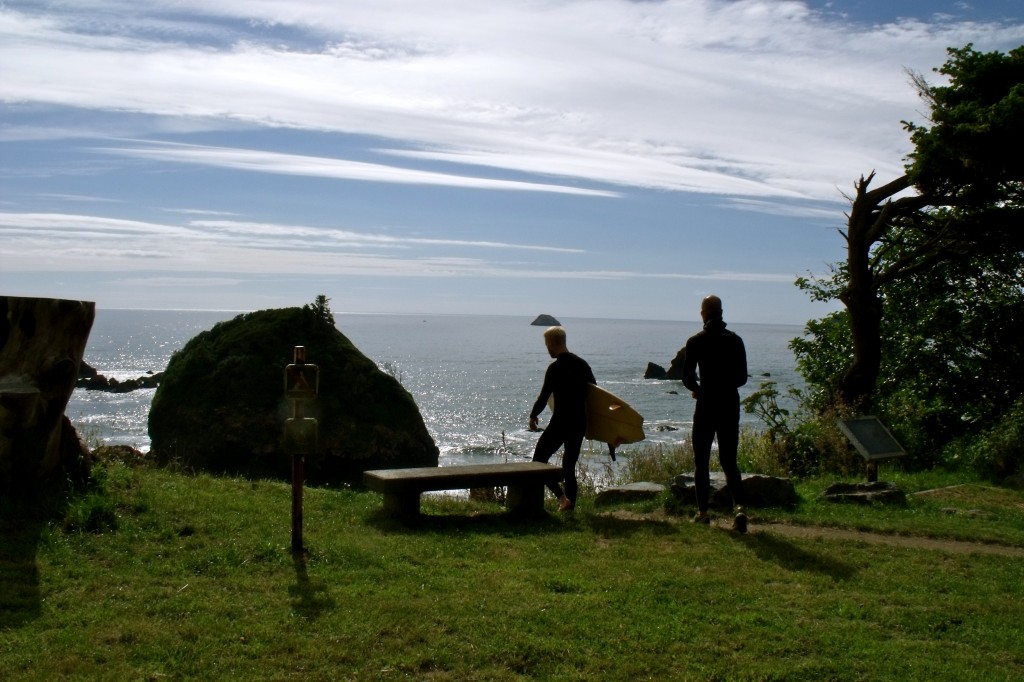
(690, 369)
(542, 400)
(741, 363)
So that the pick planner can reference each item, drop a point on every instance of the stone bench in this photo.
(525, 482)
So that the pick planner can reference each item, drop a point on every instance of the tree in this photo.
(961, 197)
(321, 308)
(954, 345)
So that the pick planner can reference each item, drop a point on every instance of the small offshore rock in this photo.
(654, 371)
(544, 320)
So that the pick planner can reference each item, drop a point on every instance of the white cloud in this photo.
(76, 197)
(59, 242)
(200, 211)
(311, 236)
(598, 120)
(53, 242)
(825, 213)
(755, 98)
(315, 166)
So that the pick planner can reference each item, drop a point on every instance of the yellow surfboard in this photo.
(610, 419)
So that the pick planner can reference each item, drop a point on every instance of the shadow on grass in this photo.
(611, 526)
(310, 598)
(499, 522)
(772, 548)
(505, 523)
(20, 599)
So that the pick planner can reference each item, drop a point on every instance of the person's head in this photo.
(711, 308)
(554, 340)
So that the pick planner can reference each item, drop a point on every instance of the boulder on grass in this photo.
(632, 492)
(760, 491)
(221, 406)
(882, 492)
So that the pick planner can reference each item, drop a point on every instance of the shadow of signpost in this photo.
(310, 598)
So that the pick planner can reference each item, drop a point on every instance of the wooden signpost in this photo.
(301, 384)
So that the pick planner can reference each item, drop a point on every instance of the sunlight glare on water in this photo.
(474, 378)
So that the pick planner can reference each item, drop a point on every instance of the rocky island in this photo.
(544, 320)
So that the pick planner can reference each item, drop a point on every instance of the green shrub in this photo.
(805, 444)
(760, 453)
(997, 452)
(656, 463)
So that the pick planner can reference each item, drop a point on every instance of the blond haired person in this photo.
(566, 379)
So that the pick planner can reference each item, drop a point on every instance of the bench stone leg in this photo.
(526, 499)
(402, 504)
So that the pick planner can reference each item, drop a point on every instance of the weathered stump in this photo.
(41, 345)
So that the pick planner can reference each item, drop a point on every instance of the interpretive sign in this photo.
(871, 438)
(873, 441)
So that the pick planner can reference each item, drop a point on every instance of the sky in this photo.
(580, 158)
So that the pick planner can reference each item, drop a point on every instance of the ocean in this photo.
(473, 377)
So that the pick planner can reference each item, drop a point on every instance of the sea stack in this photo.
(544, 320)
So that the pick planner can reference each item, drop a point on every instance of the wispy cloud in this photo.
(818, 210)
(88, 243)
(200, 211)
(755, 98)
(313, 237)
(257, 161)
(71, 227)
(77, 197)
(509, 139)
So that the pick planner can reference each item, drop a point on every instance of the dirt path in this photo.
(826, 533)
(903, 541)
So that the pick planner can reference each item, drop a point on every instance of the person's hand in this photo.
(695, 394)
(533, 423)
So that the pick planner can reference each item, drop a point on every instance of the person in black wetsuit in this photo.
(714, 368)
(566, 378)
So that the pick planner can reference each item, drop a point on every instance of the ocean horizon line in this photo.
(337, 313)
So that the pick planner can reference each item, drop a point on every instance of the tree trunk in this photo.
(868, 222)
(860, 379)
(41, 345)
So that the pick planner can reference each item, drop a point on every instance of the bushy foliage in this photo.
(970, 147)
(321, 309)
(932, 336)
(999, 450)
(656, 463)
(953, 343)
(804, 444)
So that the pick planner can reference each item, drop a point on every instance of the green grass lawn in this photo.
(163, 576)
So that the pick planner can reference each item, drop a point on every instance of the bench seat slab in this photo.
(525, 481)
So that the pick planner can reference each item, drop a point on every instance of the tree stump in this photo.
(42, 341)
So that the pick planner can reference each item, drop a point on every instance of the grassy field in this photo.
(164, 576)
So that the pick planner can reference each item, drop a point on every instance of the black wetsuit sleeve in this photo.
(690, 366)
(740, 362)
(545, 392)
